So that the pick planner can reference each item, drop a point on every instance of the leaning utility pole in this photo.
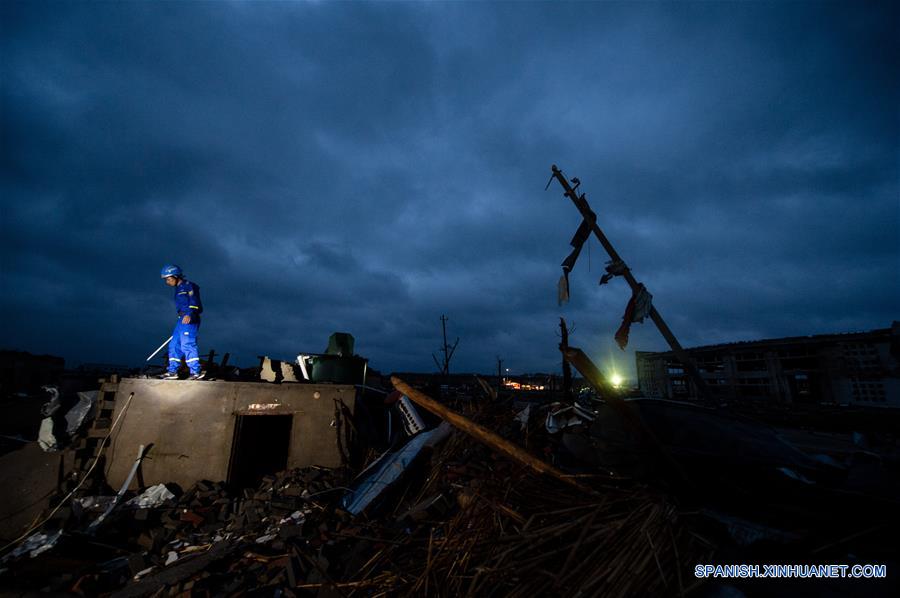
(590, 219)
(447, 350)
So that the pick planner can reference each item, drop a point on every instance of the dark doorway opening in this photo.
(260, 448)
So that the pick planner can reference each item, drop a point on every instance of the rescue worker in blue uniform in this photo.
(184, 337)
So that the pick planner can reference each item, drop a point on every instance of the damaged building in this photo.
(249, 430)
(861, 369)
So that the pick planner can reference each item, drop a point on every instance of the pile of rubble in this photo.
(158, 532)
(512, 532)
(455, 518)
(468, 502)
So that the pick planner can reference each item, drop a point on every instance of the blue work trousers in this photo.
(184, 344)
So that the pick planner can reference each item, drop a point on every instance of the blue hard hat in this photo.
(170, 270)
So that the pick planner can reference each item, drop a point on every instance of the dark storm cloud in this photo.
(368, 167)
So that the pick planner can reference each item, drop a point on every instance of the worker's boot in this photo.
(170, 376)
(197, 376)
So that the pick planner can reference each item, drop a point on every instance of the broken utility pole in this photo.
(588, 224)
(447, 350)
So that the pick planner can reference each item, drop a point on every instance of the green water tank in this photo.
(340, 343)
(337, 369)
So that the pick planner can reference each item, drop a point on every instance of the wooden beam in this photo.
(483, 435)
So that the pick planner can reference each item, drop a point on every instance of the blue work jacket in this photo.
(187, 301)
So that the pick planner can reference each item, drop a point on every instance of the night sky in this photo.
(320, 167)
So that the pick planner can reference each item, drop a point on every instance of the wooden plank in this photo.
(483, 435)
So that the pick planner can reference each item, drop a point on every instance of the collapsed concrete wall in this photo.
(212, 430)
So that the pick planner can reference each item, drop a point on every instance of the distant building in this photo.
(860, 368)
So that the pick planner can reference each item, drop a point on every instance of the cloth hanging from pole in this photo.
(577, 242)
(613, 268)
(562, 289)
(638, 308)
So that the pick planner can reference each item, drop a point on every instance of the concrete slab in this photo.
(191, 426)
